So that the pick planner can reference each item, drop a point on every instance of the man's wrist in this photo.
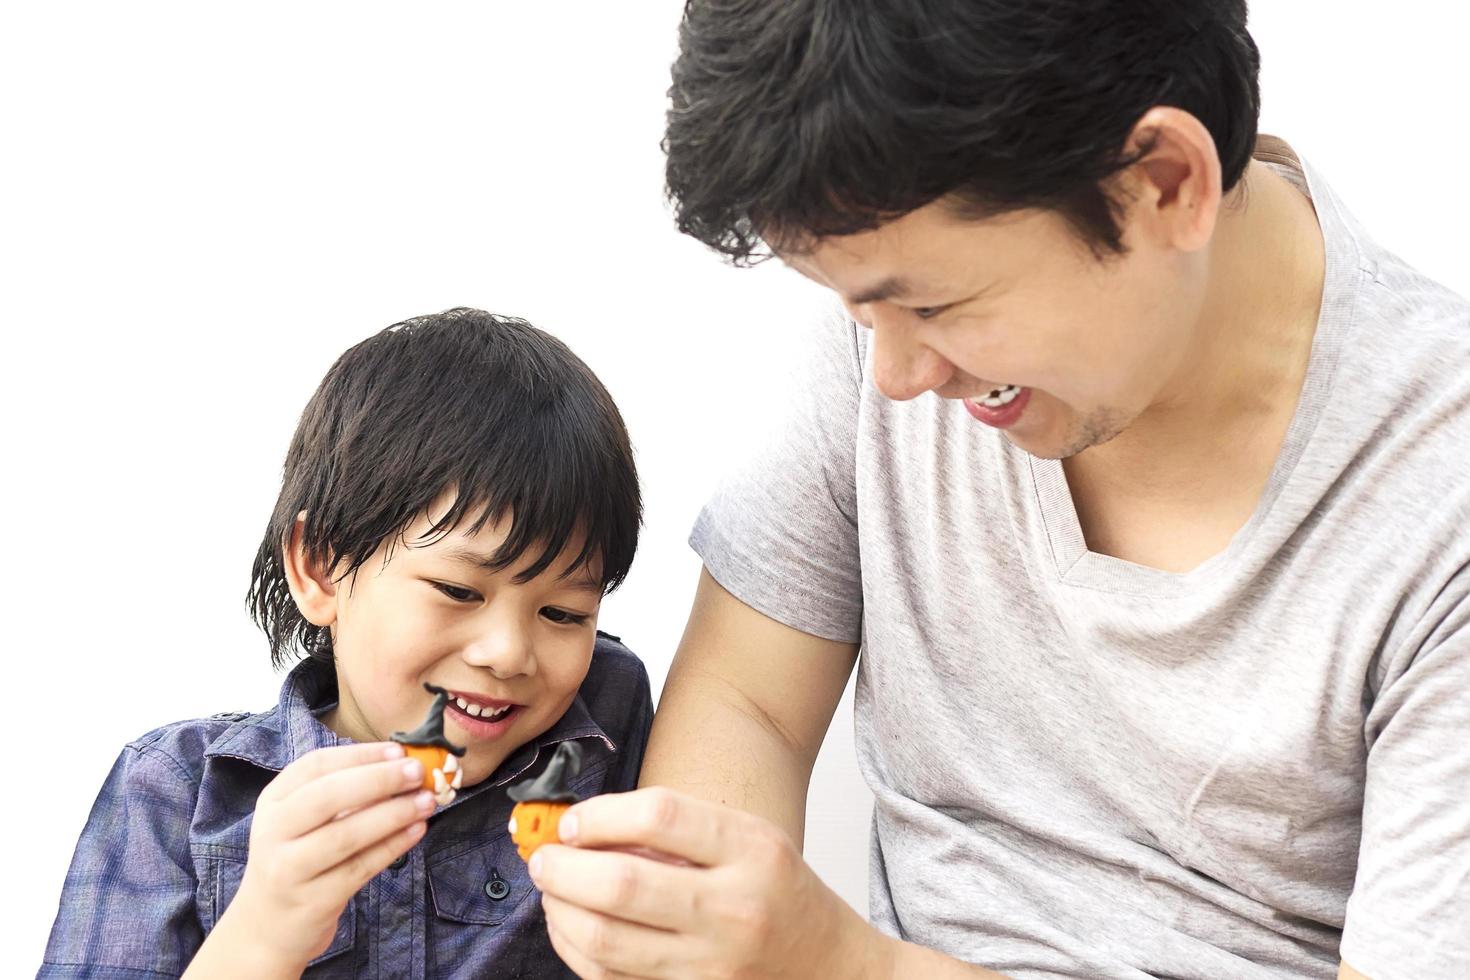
(862, 952)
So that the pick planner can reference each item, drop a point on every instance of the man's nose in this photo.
(503, 647)
(903, 368)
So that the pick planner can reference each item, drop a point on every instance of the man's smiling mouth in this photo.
(997, 397)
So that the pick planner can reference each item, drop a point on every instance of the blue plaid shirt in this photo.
(164, 849)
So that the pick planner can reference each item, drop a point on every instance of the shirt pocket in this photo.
(486, 912)
(221, 880)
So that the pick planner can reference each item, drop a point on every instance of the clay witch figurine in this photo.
(540, 802)
(426, 743)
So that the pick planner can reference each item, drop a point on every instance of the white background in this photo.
(203, 204)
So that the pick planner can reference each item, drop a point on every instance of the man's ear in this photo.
(311, 585)
(1176, 185)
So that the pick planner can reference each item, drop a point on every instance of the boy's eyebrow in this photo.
(484, 562)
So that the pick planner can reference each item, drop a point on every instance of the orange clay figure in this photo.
(440, 757)
(540, 802)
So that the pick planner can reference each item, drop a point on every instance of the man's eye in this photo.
(927, 312)
(457, 593)
(562, 616)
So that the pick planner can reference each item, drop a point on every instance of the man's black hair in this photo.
(803, 119)
(486, 407)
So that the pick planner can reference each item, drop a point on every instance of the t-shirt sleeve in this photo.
(780, 534)
(1409, 912)
(128, 904)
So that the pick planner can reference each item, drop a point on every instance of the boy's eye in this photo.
(562, 616)
(456, 592)
(927, 312)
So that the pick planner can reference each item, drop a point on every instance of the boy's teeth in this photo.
(477, 711)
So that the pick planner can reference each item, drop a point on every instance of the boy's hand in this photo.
(323, 828)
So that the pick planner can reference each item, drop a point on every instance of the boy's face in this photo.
(963, 307)
(432, 612)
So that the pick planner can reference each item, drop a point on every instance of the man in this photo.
(1138, 473)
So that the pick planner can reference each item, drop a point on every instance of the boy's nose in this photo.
(504, 652)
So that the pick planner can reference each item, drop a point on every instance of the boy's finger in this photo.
(322, 801)
(327, 846)
(350, 875)
(318, 763)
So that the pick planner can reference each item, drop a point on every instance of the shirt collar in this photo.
(275, 739)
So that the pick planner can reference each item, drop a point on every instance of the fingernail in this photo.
(424, 801)
(567, 829)
(392, 751)
(413, 770)
(534, 865)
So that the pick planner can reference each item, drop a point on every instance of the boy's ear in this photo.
(311, 585)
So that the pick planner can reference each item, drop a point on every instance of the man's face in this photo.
(432, 612)
(964, 307)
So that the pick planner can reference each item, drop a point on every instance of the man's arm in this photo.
(745, 708)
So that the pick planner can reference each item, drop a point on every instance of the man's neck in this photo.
(1254, 337)
(1172, 489)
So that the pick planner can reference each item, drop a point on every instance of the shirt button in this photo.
(496, 887)
(398, 862)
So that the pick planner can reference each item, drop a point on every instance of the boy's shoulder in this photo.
(616, 679)
(185, 746)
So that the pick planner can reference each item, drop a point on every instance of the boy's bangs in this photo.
(488, 408)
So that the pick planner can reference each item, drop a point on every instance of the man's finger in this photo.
(318, 763)
(578, 962)
(633, 888)
(615, 946)
(661, 820)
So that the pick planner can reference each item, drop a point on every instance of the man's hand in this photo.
(323, 828)
(734, 900)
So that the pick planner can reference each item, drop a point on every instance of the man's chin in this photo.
(1042, 448)
(1077, 437)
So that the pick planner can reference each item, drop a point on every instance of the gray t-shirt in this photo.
(1085, 767)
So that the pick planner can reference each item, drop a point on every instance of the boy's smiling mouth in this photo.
(480, 716)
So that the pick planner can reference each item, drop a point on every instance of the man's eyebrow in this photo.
(468, 556)
(887, 289)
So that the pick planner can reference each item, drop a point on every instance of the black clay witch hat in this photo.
(551, 785)
(431, 732)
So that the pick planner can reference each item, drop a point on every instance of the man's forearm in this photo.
(908, 960)
(711, 742)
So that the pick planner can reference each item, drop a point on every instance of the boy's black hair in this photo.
(802, 119)
(485, 406)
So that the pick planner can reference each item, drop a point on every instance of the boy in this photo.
(1137, 470)
(459, 495)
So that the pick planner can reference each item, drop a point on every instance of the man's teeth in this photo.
(1000, 396)
(477, 711)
